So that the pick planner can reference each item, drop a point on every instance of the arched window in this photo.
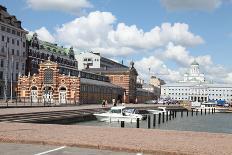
(62, 88)
(34, 88)
(48, 76)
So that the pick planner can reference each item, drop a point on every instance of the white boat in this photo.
(208, 106)
(160, 110)
(119, 113)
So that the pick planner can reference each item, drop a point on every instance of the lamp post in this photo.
(6, 73)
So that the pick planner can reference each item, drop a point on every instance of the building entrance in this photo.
(62, 95)
(48, 97)
(34, 95)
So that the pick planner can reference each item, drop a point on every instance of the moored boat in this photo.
(119, 113)
(160, 110)
(211, 106)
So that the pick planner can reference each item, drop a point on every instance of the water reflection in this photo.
(218, 123)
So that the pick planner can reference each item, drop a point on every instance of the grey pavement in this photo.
(31, 149)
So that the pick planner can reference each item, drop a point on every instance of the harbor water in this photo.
(215, 123)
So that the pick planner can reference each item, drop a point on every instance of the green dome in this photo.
(195, 63)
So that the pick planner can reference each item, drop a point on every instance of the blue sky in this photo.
(207, 39)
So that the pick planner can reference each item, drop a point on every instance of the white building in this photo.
(194, 87)
(13, 51)
(95, 60)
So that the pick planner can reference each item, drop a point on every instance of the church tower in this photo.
(195, 70)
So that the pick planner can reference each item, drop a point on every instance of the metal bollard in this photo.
(170, 115)
(154, 120)
(196, 112)
(137, 121)
(209, 110)
(201, 111)
(212, 110)
(181, 113)
(159, 119)
(187, 113)
(166, 116)
(173, 115)
(192, 112)
(122, 124)
(148, 121)
(163, 117)
(205, 111)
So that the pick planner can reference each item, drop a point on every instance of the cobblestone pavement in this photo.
(30, 149)
(118, 139)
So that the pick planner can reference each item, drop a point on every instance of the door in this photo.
(48, 97)
(34, 96)
(62, 97)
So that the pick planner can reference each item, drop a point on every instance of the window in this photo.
(17, 65)
(8, 30)
(3, 38)
(13, 41)
(1, 75)
(17, 42)
(16, 76)
(3, 28)
(12, 51)
(2, 63)
(2, 50)
(22, 66)
(17, 52)
(18, 33)
(8, 39)
(48, 76)
(23, 44)
(13, 31)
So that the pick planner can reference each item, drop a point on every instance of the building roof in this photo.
(96, 82)
(8, 19)
(110, 70)
(49, 46)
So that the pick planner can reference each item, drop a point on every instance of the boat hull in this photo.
(106, 118)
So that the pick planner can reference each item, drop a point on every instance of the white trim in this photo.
(59, 148)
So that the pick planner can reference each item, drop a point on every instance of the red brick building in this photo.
(49, 86)
(125, 78)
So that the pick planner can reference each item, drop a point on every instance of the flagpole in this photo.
(6, 73)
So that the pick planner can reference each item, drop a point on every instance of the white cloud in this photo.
(157, 68)
(182, 58)
(45, 35)
(73, 6)
(97, 32)
(205, 5)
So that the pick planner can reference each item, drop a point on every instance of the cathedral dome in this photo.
(195, 63)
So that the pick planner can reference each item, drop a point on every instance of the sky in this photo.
(163, 35)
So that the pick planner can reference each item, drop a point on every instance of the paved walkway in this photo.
(32, 149)
(6, 111)
(122, 139)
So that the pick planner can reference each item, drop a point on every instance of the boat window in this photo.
(115, 111)
(128, 110)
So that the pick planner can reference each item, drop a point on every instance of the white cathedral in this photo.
(194, 87)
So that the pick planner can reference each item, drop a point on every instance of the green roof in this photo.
(195, 63)
(54, 48)
(51, 46)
